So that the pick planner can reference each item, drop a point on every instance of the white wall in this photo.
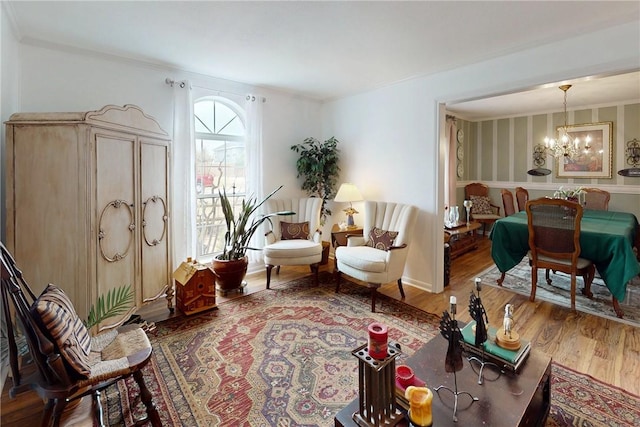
(393, 132)
(9, 82)
(54, 79)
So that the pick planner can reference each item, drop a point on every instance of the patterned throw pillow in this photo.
(294, 230)
(59, 317)
(481, 205)
(381, 239)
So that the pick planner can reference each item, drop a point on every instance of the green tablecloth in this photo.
(606, 238)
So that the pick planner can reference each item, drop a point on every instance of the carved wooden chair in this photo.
(522, 197)
(596, 199)
(69, 363)
(378, 256)
(554, 242)
(482, 210)
(507, 202)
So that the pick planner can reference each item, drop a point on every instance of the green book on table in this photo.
(511, 356)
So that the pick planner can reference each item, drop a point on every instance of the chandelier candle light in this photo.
(349, 193)
(565, 146)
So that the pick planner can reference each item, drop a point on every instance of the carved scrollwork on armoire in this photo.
(165, 217)
(102, 234)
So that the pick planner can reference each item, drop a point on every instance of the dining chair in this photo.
(69, 363)
(379, 255)
(296, 241)
(596, 199)
(507, 202)
(522, 196)
(554, 243)
(482, 210)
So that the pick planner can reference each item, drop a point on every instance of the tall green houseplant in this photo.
(242, 225)
(318, 166)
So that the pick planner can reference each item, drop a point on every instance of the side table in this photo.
(462, 239)
(339, 237)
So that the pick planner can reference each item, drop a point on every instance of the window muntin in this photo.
(219, 163)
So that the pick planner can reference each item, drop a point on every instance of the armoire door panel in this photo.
(118, 221)
(156, 273)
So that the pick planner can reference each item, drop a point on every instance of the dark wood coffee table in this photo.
(521, 399)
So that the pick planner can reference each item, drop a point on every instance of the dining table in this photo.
(606, 238)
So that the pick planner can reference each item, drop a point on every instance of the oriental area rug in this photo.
(282, 357)
(518, 280)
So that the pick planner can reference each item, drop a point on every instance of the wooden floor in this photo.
(605, 349)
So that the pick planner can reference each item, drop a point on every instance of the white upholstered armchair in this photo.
(295, 239)
(379, 256)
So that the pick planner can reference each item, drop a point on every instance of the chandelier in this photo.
(565, 145)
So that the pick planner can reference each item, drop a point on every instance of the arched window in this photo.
(219, 130)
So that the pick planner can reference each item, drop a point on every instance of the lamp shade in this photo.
(348, 193)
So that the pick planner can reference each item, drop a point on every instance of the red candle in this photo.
(378, 334)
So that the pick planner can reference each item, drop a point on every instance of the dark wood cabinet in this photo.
(462, 239)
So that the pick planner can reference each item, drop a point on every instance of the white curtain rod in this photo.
(171, 82)
(183, 84)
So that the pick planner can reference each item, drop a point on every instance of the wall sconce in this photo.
(539, 154)
(633, 158)
(349, 193)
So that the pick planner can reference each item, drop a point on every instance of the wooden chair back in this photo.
(522, 197)
(554, 243)
(507, 202)
(596, 199)
(554, 228)
(476, 189)
(49, 363)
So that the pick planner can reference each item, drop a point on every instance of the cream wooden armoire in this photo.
(88, 204)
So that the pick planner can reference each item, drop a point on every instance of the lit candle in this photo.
(452, 305)
(419, 405)
(478, 280)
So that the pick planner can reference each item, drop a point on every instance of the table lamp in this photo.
(349, 193)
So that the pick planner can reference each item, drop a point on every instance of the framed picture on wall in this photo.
(594, 161)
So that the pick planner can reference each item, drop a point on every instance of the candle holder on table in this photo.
(479, 314)
(376, 387)
(467, 205)
(453, 360)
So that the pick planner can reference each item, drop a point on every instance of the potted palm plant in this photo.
(117, 301)
(230, 266)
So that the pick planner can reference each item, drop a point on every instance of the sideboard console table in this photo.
(462, 239)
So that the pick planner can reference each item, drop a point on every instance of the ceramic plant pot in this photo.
(229, 273)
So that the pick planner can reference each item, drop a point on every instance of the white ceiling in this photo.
(329, 49)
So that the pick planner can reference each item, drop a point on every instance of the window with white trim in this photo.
(220, 163)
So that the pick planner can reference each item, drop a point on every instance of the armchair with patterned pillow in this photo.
(378, 257)
(296, 241)
(482, 210)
